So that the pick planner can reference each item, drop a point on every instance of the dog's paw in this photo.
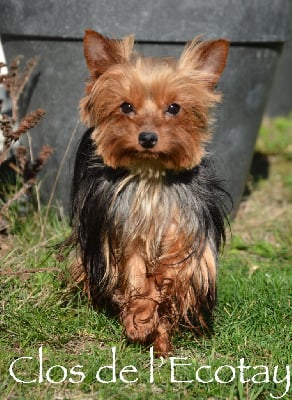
(140, 320)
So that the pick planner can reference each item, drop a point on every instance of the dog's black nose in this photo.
(148, 139)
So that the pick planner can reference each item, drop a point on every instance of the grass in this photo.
(253, 319)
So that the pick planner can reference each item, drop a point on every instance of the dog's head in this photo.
(150, 111)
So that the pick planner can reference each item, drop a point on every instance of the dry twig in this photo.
(26, 167)
(28, 271)
(16, 80)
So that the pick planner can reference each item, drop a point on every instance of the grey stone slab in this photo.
(246, 85)
(151, 20)
(280, 101)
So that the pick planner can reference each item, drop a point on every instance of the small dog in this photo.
(147, 211)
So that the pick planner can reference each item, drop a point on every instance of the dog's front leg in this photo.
(141, 300)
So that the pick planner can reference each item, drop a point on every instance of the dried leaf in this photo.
(28, 122)
(21, 157)
(32, 169)
(6, 126)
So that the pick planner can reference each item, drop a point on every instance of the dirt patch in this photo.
(267, 208)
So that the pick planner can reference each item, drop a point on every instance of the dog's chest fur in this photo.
(155, 217)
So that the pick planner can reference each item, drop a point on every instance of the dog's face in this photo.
(150, 112)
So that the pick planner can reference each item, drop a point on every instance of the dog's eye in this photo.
(127, 108)
(173, 108)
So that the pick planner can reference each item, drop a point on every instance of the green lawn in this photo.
(64, 340)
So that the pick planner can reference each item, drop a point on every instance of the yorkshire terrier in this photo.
(147, 209)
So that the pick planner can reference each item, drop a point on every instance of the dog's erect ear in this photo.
(101, 53)
(209, 57)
